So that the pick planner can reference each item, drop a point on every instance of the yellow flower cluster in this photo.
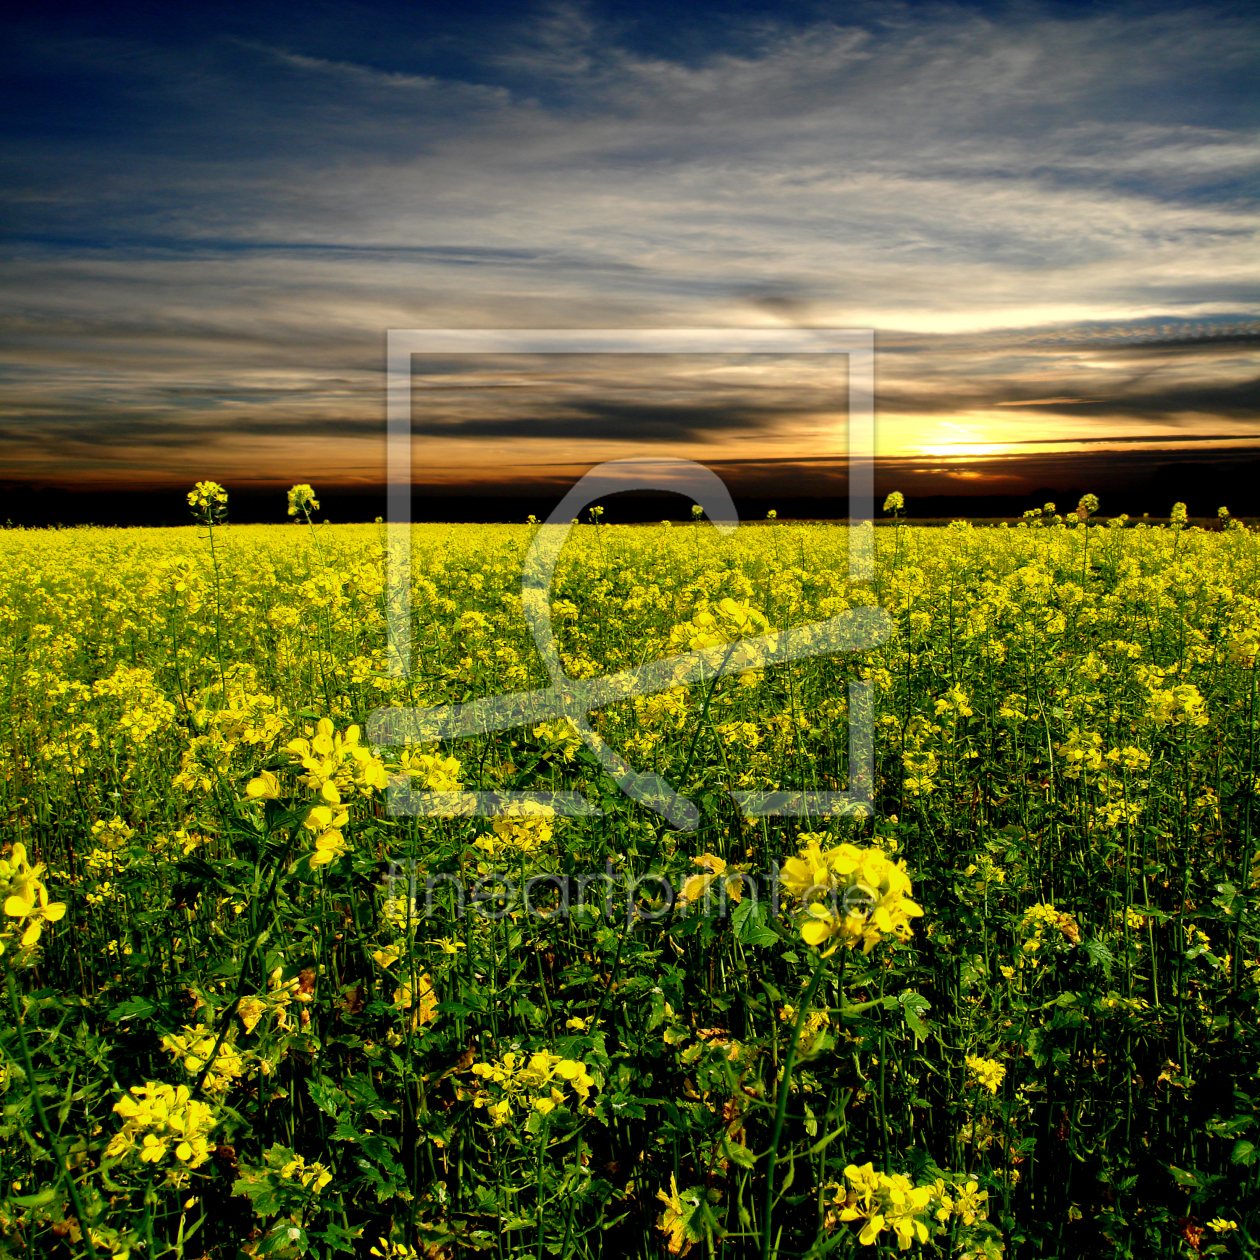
(728, 621)
(314, 1177)
(1181, 705)
(526, 829)
(143, 710)
(440, 774)
(394, 1250)
(893, 1202)
(715, 870)
(425, 998)
(535, 1082)
(251, 1009)
(110, 841)
(207, 495)
(1242, 649)
(330, 841)
(955, 700)
(1042, 917)
(884, 1202)
(333, 763)
(988, 1072)
(157, 1115)
(852, 896)
(336, 763)
(1081, 751)
(194, 1046)
(815, 1022)
(25, 899)
(302, 499)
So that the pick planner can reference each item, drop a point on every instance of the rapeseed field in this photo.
(251, 1010)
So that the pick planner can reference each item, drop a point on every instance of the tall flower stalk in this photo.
(208, 501)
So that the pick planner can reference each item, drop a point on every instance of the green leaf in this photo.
(1228, 894)
(42, 1199)
(888, 1003)
(1230, 1128)
(1099, 954)
(1244, 1153)
(749, 921)
(327, 1097)
(914, 1007)
(132, 1008)
(337, 1237)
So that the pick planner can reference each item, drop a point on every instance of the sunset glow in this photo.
(1053, 266)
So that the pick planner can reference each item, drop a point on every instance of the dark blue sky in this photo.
(210, 216)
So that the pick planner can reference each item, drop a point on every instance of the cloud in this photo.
(598, 419)
(1037, 207)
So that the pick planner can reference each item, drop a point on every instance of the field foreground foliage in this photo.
(233, 1025)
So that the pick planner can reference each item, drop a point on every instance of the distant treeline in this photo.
(164, 508)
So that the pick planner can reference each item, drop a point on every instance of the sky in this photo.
(209, 218)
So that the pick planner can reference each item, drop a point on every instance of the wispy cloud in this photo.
(213, 267)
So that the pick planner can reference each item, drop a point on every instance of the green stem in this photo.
(1245, 874)
(218, 613)
(656, 848)
(244, 976)
(62, 1169)
(780, 1114)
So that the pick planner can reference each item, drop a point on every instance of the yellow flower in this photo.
(440, 774)
(989, 1072)
(302, 499)
(969, 1205)
(207, 495)
(25, 897)
(1043, 916)
(394, 1251)
(313, 1176)
(815, 1022)
(194, 1046)
(159, 1115)
(541, 1078)
(526, 828)
(335, 762)
(329, 843)
(850, 895)
(251, 1010)
(695, 886)
(264, 788)
(884, 1201)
